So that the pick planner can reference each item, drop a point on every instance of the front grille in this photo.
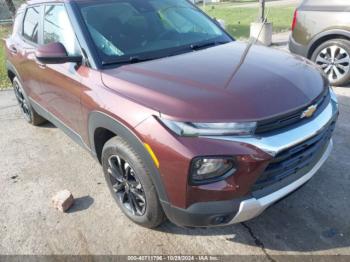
(301, 157)
(287, 120)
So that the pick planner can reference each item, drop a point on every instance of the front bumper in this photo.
(237, 210)
(219, 213)
(253, 207)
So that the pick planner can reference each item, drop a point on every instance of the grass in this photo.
(238, 19)
(4, 82)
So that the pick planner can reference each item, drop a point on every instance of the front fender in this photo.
(102, 120)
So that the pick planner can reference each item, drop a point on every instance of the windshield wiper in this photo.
(129, 60)
(137, 59)
(207, 44)
(196, 47)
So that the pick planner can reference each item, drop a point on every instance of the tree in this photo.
(11, 7)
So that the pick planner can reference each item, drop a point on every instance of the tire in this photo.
(119, 159)
(27, 110)
(328, 56)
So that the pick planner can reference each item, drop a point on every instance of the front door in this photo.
(61, 85)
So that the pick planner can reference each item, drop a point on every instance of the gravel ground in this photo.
(37, 162)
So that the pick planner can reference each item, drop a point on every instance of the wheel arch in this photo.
(11, 71)
(11, 75)
(326, 36)
(102, 127)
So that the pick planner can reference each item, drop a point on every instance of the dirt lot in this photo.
(37, 162)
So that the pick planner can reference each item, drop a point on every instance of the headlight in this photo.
(209, 129)
(206, 170)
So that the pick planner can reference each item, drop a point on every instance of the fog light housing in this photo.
(220, 220)
(205, 170)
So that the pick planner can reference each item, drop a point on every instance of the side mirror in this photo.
(55, 53)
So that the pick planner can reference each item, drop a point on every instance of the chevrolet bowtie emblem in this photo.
(309, 112)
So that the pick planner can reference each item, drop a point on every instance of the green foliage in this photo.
(4, 81)
(238, 19)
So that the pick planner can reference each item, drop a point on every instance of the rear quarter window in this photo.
(17, 26)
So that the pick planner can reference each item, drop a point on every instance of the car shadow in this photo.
(316, 218)
(48, 125)
(80, 204)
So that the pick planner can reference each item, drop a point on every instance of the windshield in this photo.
(137, 30)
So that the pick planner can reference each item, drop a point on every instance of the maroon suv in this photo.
(187, 123)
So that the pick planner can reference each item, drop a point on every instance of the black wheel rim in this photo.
(126, 186)
(22, 102)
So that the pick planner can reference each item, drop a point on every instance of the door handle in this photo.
(41, 65)
(13, 49)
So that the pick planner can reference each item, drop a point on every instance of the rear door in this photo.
(22, 47)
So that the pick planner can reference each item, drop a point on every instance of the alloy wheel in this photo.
(126, 185)
(22, 101)
(335, 62)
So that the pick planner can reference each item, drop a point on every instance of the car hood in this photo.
(230, 82)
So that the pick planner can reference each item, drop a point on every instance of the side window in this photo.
(57, 28)
(31, 24)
